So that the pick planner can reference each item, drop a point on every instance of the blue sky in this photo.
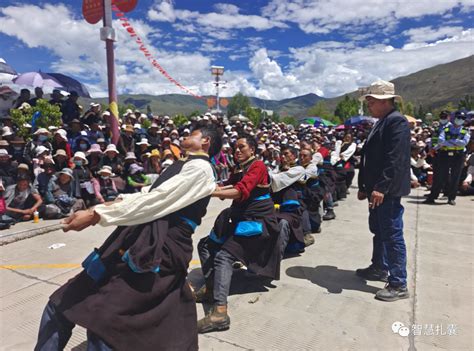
(270, 48)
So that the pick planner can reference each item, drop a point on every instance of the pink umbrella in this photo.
(37, 79)
(341, 127)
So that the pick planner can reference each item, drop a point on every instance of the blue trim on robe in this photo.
(191, 223)
(94, 266)
(263, 197)
(215, 238)
(126, 258)
(248, 228)
(289, 205)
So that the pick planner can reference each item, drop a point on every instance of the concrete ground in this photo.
(319, 303)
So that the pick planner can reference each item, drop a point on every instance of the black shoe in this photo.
(329, 215)
(372, 273)
(214, 321)
(317, 231)
(392, 293)
(452, 202)
(335, 204)
(429, 201)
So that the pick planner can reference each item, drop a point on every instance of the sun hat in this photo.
(111, 147)
(41, 149)
(144, 141)
(154, 153)
(6, 131)
(129, 128)
(381, 90)
(130, 156)
(42, 131)
(67, 171)
(18, 140)
(62, 133)
(23, 166)
(106, 169)
(94, 148)
(81, 155)
(4, 152)
(134, 168)
(60, 152)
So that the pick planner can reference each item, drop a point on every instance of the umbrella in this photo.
(37, 79)
(318, 121)
(239, 117)
(341, 127)
(70, 84)
(410, 119)
(356, 120)
(6, 68)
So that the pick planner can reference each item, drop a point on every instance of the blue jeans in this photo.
(389, 251)
(55, 331)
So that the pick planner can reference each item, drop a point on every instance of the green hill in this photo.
(432, 87)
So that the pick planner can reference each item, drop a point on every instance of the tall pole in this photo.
(217, 94)
(108, 35)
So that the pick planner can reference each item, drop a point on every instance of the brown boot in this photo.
(204, 295)
(216, 320)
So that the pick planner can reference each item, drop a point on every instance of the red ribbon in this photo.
(133, 34)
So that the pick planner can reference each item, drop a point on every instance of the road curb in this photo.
(9, 238)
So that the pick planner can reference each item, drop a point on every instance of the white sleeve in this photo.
(345, 155)
(470, 172)
(194, 182)
(285, 179)
(311, 171)
(317, 158)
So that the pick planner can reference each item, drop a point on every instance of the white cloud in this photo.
(227, 17)
(314, 16)
(428, 34)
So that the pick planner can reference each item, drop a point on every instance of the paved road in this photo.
(319, 304)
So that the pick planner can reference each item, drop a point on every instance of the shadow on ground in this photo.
(333, 279)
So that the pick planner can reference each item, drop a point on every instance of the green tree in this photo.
(49, 115)
(253, 114)
(321, 110)
(409, 109)
(179, 120)
(467, 103)
(290, 120)
(194, 114)
(238, 104)
(346, 108)
(448, 107)
(121, 108)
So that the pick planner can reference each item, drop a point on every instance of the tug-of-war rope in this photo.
(142, 47)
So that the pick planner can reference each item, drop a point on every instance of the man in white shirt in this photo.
(133, 293)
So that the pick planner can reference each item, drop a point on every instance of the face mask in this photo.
(459, 121)
(83, 146)
(17, 148)
(443, 121)
(78, 163)
(43, 138)
(105, 177)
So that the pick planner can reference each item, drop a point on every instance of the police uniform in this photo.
(451, 154)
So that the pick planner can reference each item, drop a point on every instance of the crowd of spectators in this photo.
(74, 166)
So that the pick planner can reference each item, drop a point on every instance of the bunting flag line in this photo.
(141, 45)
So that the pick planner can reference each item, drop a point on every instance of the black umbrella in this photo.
(70, 84)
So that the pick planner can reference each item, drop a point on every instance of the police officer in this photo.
(451, 154)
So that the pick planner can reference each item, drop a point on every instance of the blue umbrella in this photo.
(70, 84)
(356, 120)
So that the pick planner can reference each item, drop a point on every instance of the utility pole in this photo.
(218, 71)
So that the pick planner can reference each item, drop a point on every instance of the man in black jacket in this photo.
(384, 178)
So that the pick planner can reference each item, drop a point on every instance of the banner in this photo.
(141, 45)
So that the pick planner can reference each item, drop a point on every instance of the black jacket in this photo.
(385, 162)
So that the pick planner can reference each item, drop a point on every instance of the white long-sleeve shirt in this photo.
(194, 182)
(285, 179)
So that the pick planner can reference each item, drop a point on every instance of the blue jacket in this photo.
(385, 161)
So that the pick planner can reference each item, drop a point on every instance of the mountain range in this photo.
(432, 87)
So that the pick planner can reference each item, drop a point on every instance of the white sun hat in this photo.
(381, 90)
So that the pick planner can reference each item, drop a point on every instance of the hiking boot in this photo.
(329, 215)
(452, 202)
(214, 321)
(204, 295)
(429, 201)
(318, 231)
(392, 293)
(308, 240)
(372, 273)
